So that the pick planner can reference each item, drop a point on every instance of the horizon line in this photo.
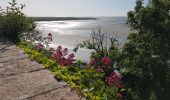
(77, 16)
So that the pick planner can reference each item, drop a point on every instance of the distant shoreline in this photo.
(61, 18)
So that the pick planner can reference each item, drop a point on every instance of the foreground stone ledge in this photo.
(29, 84)
(18, 67)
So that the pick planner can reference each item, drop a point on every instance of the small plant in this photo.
(59, 56)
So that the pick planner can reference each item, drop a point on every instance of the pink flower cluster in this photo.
(100, 69)
(60, 56)
(48, 39)
(114, 79)
(40, 46)
(106, 60)
(93, 62)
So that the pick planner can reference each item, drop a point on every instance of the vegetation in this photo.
(88, 81)
(13, 22)
(147, 54)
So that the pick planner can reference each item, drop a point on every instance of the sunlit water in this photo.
(71, 32)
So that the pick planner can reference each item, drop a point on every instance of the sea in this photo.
(68, 33)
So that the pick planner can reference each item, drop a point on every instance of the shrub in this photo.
(147, 54)
(13, 22)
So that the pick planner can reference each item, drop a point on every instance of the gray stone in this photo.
(59, 94)
(18, 67)
(28, 84)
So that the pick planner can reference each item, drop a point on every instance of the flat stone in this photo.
(3, 46)
(18, 67)
(59, 94)
(11, 51)
(27, 85)
(12, 58)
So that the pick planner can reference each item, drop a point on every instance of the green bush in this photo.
(147, 54)
(13, 22)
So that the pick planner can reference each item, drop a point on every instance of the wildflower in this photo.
(71, 55)
(70, 59)
(93, 61)
(51, 50)
(109, 81)
(100, 70)
(49, 34)
(65, 51)
(63, 61)
(59, 48)
(40, 46)
(115, 76)
(115, 79)
(119, 95)
(106, 60)
(49, 39)
(57, 54)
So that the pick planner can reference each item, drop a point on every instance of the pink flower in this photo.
(109, 81)
(93, 61)
(49, 34)
(65, 51)
(51, 50)
(119, 95)
(40, 46)
(63, 61)
(100, 70)
(115, 76)
(117, 83)
(57, 54)
(115, 79)
(69, 61)
(59, 48)
(71, 55)
(49, 39)
(106, 60)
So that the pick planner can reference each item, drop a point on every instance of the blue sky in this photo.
(65, 8)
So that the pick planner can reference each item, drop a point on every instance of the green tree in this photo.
(13, 22)
(147, 53)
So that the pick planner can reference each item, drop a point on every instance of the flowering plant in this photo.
(59, 55)
(101, 72)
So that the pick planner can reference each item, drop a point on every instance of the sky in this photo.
(75, 8)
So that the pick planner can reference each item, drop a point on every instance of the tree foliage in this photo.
(13, 22)
(147, 53)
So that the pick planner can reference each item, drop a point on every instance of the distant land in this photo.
(61, 18)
